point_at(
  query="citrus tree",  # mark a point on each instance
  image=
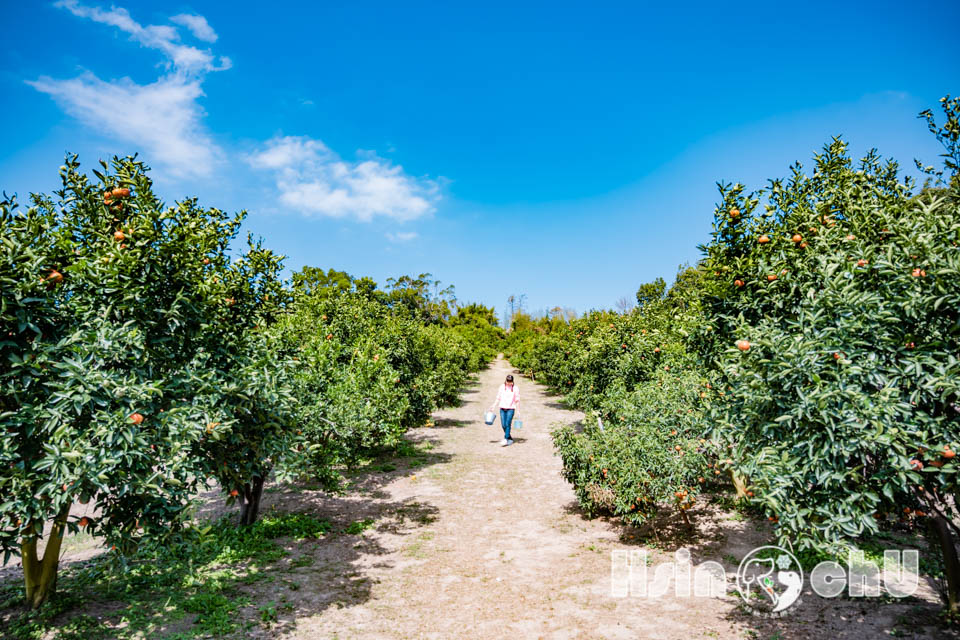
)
(642, 450)
(834, 301)
(254, 380)
(109, 299)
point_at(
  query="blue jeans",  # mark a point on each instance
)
(506, 419)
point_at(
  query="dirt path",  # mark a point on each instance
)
(497, 548)
(508, 555)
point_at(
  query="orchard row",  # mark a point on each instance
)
(811, 357)
(141, 360)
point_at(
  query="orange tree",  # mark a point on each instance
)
(642, 448)
(365, 372)
(109, 302)
(253, 380)
(834, 302)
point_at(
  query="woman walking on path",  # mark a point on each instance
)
(508, 399)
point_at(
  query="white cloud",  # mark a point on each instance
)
(198, 26)
(314, 180)
(184, 58)
(402, 236)
(162, 119)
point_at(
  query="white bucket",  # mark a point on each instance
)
(489, 417)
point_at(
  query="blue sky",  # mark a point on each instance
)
(568, 151)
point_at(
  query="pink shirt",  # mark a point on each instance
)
(508, 398)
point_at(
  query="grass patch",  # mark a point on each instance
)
(358, 527)
(197, 577)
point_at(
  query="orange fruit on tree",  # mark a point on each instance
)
(734, 213)
(234, 493)
(771, 277)
(948, 453)
(119, 235)
(206, 261)
(862, 263)
(937, 463)
(743, 345)
(54, 278)
(84, 521)
(120, 192)
(916, 464)
(763, 239)
(797, 238)
(136, 418)
(738, 283)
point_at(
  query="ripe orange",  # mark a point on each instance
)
(797, 238)
(678, 448)
(118, 235)
(836, 356)
(803, 245)
(771, 277)
(949, 453)
(763, 239)
(211, 426)
(674, 432)
(206, 261)
(234, 493)
(136, 418)
(229, 301)
(918, 273)
(916, 464)
(738, 283)
(84, 521)
(734, 213)
(862, 263)
(54, 278)
(749, 494)
(743, 345)
(851, 237)
(656, 349)
(120, 192)
(329, 336)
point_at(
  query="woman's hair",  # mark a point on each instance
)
(510, 377)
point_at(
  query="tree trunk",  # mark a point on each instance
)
(40, 574)
(940, 533)
(250, 504)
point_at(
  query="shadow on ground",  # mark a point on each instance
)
(264, 594)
